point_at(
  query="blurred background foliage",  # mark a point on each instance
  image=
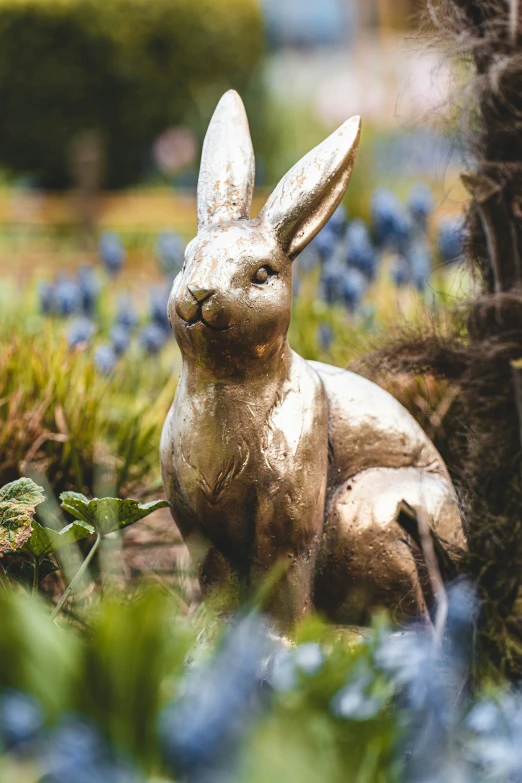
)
(124, 69)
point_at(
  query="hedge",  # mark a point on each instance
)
(127, 68)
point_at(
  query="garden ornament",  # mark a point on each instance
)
(268, 458)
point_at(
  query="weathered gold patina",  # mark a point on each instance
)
(266, 456)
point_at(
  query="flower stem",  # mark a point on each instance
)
(4, 580)
(76, 577)
(36, 574)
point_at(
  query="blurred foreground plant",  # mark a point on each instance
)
(146, 693)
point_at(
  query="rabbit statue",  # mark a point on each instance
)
(268, 458)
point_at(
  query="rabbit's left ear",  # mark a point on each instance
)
(226, 175)
(312, 190)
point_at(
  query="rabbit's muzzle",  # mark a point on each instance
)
(197, 304)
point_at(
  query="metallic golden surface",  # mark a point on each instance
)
(268, 457)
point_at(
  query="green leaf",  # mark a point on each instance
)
(44, 540)
(18, 501)
(108, 514)
(22, 571)
(76, 504)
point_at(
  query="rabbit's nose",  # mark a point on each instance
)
(200, 294)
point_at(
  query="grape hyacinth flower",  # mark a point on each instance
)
(326, 241)
(332, 280)
(89, 289)
(120, 338)
(309, 658)
(354, 288)
(494, 728)
(360, 253)
(111, 252)
(67, 299)
(159, 297)
(400, 271)
(126, 314)
(152, 338)
(324, 244)
(80, 332)
(21, 721)
(170, 250)
(356, 701)
(419, 262)
(450, 241)
(421, 204)
(78, 753)
(105, 359)
(285, 665)
(337, 223)
(429, 677)
(390, 220)
(202, 731)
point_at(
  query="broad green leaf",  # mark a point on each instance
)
(44, 540)
(108, 514)
(22, 571)
(17, 504)
(76, 504)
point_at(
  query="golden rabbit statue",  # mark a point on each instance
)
(266, 456)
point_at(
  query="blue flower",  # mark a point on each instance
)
(360, 253)
(159, 298)
(120, 338)
(67, 298)
(328, 238)
(152, 338)
(170, 250)
(337, 223)
(400, 271)
(111, 252)
(356, 701)
(419, 262)
(78, 753)
(354, 288)
(89, 289)
(390, 221)
(332, 280)
(309, 657)
(105, 359)
(324, 244)
(450, 241)
(126, 314)
(282, 672)
(201, 732)
(21, 720)
(421, 203)
(80, 332)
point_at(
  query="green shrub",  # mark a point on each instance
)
(125, 68)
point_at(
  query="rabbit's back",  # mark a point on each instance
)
(369, 428)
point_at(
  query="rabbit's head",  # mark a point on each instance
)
(231, 303)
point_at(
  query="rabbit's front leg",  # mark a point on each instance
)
(291, 498)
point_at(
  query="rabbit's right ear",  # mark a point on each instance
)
(226, 175)
(312, 190)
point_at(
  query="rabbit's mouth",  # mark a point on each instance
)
(201, 321)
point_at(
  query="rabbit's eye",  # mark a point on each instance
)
(262, 274)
